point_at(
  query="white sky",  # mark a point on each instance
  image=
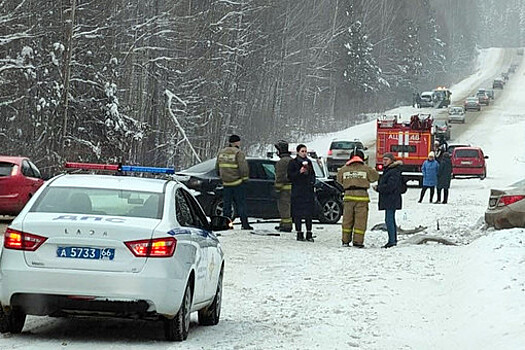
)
(284, 294)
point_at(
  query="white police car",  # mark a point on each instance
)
(117, 246)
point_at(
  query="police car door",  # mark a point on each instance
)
(189, 223)
(211, 245)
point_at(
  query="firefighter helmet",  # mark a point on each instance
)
(357, 152)
(282, 147)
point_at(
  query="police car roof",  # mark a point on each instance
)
(109, 181)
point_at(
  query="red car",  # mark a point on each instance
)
(469, 162)
(19, 180)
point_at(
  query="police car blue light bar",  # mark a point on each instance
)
(123, 168)
(147, 169)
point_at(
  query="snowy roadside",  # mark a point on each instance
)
(284, 294)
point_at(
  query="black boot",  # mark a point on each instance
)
(300, 236)
(245, 225)
(309, 236)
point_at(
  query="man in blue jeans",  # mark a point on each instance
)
(389, 188)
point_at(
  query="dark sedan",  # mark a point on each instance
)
(261, 198)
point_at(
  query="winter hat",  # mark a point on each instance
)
(389, 156)
(234, 138)
(431, 154)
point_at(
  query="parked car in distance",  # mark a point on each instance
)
(339, 154)
(472, 103)
(489, 92)
(427, 99)
(114, 246)
(261, 198)
(451, 146)
(456, 114)
(506, 207)
(442, 129)
(505, 76)
(483, 98)
(19, 180)
(498, 84)
(468, 162)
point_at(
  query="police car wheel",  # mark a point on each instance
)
(331, 211)
(177, 328)
(12, 321)
(209, 316)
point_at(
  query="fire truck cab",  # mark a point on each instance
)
(409, 141)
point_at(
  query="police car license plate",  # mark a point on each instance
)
(86, 253)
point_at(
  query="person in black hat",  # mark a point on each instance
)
(234, 172)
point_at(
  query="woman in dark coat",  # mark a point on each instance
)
(301, 174)
(389, 188)
(444, 177)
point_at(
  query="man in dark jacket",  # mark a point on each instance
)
(390, 195)
(234, 171)
(301, 174)
(283, 186)
(444, 177)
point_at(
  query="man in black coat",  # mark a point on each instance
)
(444, 177)
(389, 188)
(301, 174)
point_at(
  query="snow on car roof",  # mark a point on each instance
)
(110, 181)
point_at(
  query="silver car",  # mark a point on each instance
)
(117, 246)
(506, 207)
(339, 154)
(456, 114)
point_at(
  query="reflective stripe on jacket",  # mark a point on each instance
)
(282, 182)
(355, 179)
(232, 166)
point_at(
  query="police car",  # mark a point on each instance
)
(118, 246)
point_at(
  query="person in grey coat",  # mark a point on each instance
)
(444, 177)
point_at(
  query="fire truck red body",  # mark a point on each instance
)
(410, 142)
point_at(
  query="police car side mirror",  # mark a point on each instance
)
(221, 223)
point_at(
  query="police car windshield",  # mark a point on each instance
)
(96, 201)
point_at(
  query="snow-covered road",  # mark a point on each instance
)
(284, 294)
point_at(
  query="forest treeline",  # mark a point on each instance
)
(164, 82)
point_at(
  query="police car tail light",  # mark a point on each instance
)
(153, 248)
(19, 240)
(506, 200)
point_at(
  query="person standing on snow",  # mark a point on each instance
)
(430, 170)
(444, 177)
(283, 186)
(234, 172)
(355, 178)
(389, 188)
(301, 174)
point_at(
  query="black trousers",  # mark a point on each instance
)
(423, 190)
(445, 194)
(298, 223)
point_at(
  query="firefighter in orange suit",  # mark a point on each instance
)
(283, 186)
(355, 177)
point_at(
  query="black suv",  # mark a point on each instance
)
(261, 198)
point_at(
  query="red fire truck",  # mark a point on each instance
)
(409, 141)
